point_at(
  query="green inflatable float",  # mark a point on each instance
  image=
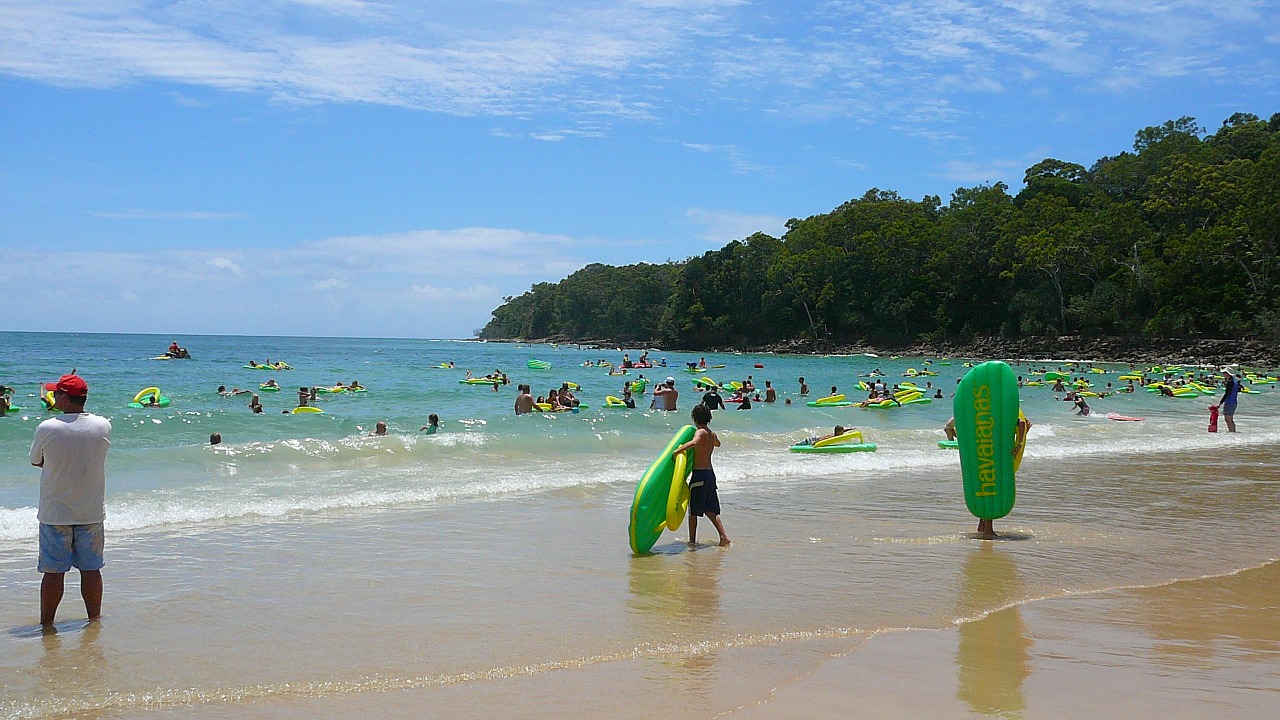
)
(662, 496)
(987, 430)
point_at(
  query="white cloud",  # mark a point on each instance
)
(339, 7)
(332, 283)
(634, 61)
(735, 157)
(187, 101)
(985, 171)
(224, 263)
(473, 293)
(1009, 172)
(481, 57)
(466, 252)
(429, 283)
(722, 226)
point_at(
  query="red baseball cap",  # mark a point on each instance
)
(73, 385)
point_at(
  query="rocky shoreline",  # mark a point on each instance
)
(1137, 350)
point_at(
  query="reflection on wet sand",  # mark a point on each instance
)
(676, 585)
(675, 599)
(993, 658)
(71, 673)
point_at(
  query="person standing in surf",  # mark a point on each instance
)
(666, 395)
(71, 452)
(524, 401)
(986, 528)
(1230, 393)
(703, 499)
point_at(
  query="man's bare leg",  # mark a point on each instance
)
(50, 595)
(693, 529)
(986, 530)
(91, 591)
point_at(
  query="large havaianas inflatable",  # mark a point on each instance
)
(986, 412)
(660, 502)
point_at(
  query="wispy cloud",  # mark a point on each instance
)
(332, 283)
(628, 61)
(340, 7)
(482, 57)
(187, 101)
(474, 293)
(734, 156)
(986, 171)
(424, 283)
(722, 226)
(994, 170)
(227, 264)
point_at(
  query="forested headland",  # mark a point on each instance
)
(1176, 239)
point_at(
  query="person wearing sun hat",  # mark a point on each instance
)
(1230, 393)
(71, 452)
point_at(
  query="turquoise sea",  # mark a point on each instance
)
(303, 558)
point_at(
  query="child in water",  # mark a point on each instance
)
(703, 499)
(433, 424)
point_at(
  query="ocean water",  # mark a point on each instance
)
(303, 558)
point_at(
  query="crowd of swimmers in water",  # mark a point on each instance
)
(665, 395)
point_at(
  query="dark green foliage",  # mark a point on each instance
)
(596, 302)
(1178, 238)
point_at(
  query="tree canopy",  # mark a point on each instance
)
(1177, 238)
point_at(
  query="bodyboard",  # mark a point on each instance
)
(986, 412)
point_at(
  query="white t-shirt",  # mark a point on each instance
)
(73, 479)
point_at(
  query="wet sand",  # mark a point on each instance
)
(1192, 649)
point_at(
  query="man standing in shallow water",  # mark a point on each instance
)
(666, 394)
(71, 452)
(524, 401)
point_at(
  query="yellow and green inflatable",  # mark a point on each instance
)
(662, 496)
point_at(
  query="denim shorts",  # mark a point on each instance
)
(65, 546)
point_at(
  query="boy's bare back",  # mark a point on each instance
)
(704, 442)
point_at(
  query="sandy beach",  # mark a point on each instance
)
(1194, 649)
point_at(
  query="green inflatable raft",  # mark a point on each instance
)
(657, 504)
(986, 412)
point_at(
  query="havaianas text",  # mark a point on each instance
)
(984, 426)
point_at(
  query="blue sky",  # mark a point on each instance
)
(394, 168)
